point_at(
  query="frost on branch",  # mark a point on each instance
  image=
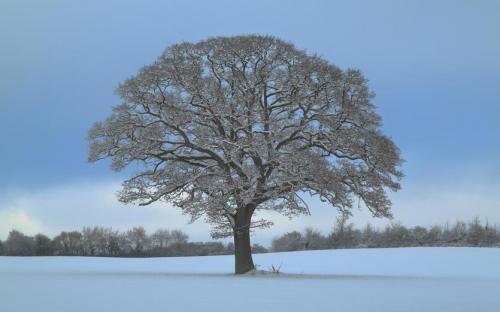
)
(227, 126)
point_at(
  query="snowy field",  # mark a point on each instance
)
(403, 279)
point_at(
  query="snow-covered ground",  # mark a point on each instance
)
(403, 279)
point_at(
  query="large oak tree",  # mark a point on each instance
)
(231, 125)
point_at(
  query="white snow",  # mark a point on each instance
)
(402, 279)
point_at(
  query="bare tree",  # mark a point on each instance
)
(314, 240)
(476, 232)
(18, 244)
(288, 242)
(161, 238)
(90, 240)
(178, 237)
(344, 235)
(69, 244)
(369, 236)
(43, 245)
(231, 125)
(137, 240)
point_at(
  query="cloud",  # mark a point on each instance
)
(19, 220)
(437, 203)
(71, 207)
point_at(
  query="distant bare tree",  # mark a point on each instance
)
(113, 240)
(228, 126)
(476, 232)
(178, 237)
(161, 238)
(18, 244)
(257, 248)
(68, 244)
(369, 236)
(106, 241)
(137, 239)
(491, 235)
(314, 240)
(288, 242)
(90, 241)
(43, 245)
(344, 235)
(434, 235)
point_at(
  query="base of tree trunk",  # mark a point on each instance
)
(243, 262)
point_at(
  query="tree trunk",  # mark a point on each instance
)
(243, 261)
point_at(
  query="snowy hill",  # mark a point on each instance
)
(402, 279)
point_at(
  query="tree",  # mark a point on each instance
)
(257, 248)
(69, 244)
(289, 242)
(396, 235)
(314, 240)
(161, 239)
(369, 237)
(476, 232)
(112, 240)
(228, 126)
(178, 237)
(43, 245)
(164, 241)
(434, 235)
(137, 240)
(18, 244)
(490, 236)
(457, 234)
(90, 241)
(344, 235)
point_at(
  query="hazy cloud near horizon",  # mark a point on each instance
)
(72, 207)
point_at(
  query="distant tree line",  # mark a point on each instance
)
(344, 235)
(107, 242)
(136, 242)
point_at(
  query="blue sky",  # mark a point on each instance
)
(434, 66)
